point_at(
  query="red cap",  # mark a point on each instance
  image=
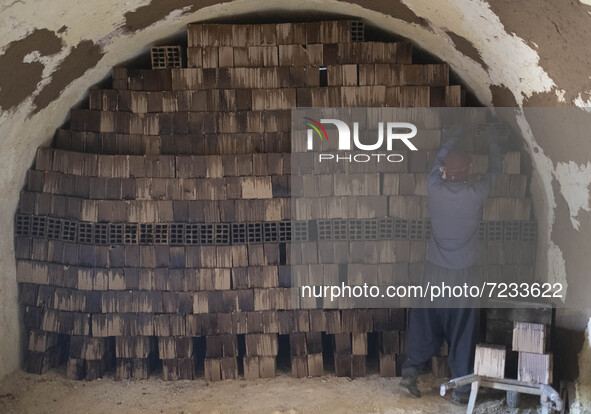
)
(457, 165)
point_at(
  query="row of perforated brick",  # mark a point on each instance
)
(268, 241)
(179, 234)
(398, 228)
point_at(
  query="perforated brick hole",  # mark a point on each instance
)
(300, 231)
(206, 234)
(511, 230)
(158, 58)
(131, 233)
(23, 225)
(255, 232)
(355, 229)
(529, 231)
(38, 226)
(146, 233)
(85, 233)
(401, 229)
(357, 31)
(167, 57)
(284, 231)
(339, 229)
(54, 228)
(270, 232)
(69, 230)
(324, 229)
(161, 233)
(416, 230)
(192, 234)
(222, 233)
(482, 231)
(494, 231)
(177, 234)
(116, 233)
(370, 229)
(239, 233)
(386, 228)
(100, 233)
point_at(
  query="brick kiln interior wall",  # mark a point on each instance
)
(159, 226)
(50, 60)
(159, 222)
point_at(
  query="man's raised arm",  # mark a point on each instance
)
(450, 137)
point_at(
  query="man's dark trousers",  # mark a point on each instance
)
(428, 327)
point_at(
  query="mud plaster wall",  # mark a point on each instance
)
(509, 53)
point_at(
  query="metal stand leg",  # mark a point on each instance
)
(513, 399)
(549, 398)
(473, 394)
(545, 403)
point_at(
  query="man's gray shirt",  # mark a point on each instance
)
(455, 209)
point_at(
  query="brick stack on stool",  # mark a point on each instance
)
(535, 366)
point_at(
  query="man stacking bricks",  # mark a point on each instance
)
(455, 208)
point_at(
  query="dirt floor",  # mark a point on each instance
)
(53, 393)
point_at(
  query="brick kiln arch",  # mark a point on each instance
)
(157, 226)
